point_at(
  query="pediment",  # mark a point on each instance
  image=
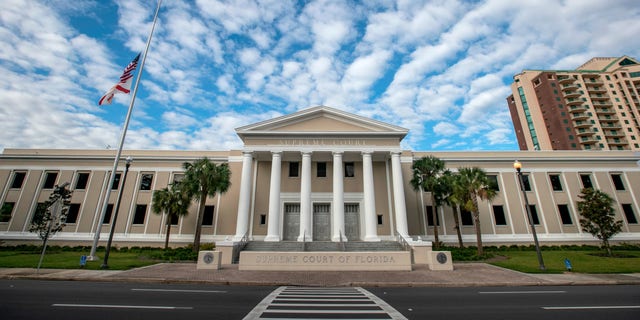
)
(318, 121)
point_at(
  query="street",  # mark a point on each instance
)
(28, 299)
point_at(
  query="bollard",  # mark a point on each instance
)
(567, 264)
(83, 261)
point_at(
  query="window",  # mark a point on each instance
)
(555, 182)
(6, 211)
(174, 220)
(466, 217)
(141, 211)
(565, 216)
(628, 213)
(586, 181)
(525, 182)
(617, 182)
(18, 179)
(178, 177)
(263, 219)
(294, 168)
(116, 182)
(430, 216)
(209, 211)
(107, 215)
(50, 180)
(321, 169)
(145, 181)
(379, 219)
(534, 214)
(493, 182)
(82, 180)
(72, 214)
(498, 215)
(349, 169)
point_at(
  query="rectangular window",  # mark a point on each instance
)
(145, 181)
(72, 214)
(18, 179)
(178, 177)
(617, 182)
(349, 169)
(209, 211)
(50, 180)
(629, 214)
(534, 214)
(81, 180)
(430, 216)
(498, 215)
(263, 219)
(379, 219)
(174, 220)
(116, 182)
(565, 216)
(466, 217)
(294, 168)
(107, 215)
(321, 169)
(555, 182)
(525, 182)
(141, 211)
(493, 182)
(586, 181)
(6, 210)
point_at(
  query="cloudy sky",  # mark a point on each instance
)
(441, 69)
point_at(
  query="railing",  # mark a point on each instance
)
(240, 246)
(405, 245)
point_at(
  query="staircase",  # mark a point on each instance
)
(315, 246)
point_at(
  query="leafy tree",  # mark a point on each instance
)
(172, 201)
(599, 216)
(455, 197)
(204, 178)
(475, 184)
(50, 217)
(428, 177)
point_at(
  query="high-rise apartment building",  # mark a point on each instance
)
(595, 107)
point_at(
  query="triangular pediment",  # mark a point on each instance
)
(319, 121)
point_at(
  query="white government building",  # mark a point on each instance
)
(319, 174)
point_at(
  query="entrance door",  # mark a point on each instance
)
(352, 221)
(291, 221)
(321, 222)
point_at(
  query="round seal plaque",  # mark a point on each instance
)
(441, 257)
(208, 258)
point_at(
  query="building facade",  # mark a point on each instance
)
(595, 107)
(319, 174)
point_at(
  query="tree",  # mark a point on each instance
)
(599, 216)
(454, 198)
(172, 201)
(204, 178)
(475, 184)
(50, 216)
(427, 176)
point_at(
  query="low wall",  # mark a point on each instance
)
(325, 261)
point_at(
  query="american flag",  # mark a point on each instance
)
(124, 85)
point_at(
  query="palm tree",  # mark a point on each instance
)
(427, 176)
(172, 201)
(204, 178)
(476, 185)
(454, 198)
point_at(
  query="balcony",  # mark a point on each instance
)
(571, 94)
(570, 86)
(610, 133)
(605, 111)
(566, 79)
(597, 89)
(573, 101)
(582, 124)
(579, 116)
(608, 119)
(613, 126)
(584, 133)
(617, 142)
(604, 103)
(581, 108)
(589, 140)
(599, 97)
(591, 82)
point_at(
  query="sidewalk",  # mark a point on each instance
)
(463, 275)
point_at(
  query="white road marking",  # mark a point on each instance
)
(591, 307)
(179, 290)
(115, 306)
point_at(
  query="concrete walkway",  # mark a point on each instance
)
(463, 275)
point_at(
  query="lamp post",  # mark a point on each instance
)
(105, 264)
(518, 166)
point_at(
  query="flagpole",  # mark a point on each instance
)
(92, 256)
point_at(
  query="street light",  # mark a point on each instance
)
(518, 166)
(105, 264)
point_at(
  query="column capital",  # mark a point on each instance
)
(276, 153)
(396, 153)
(247, 153)
(367, 153)
(336, 153)
(306, 153)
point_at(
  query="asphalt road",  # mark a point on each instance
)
(27, 299)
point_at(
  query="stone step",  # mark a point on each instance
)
(323, 246)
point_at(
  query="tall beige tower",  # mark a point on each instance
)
(595, 107)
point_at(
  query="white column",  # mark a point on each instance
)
(398, 195)
(242, 222)
(305, 198)
(273, 232)
(370, 216)
(338, 199)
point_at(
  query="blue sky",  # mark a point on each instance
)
(441, 69)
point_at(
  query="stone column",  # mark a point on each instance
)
(338, 199)
(244, 200)
(398, 195)
(273, 231)
(370, 216)
(305, 198)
